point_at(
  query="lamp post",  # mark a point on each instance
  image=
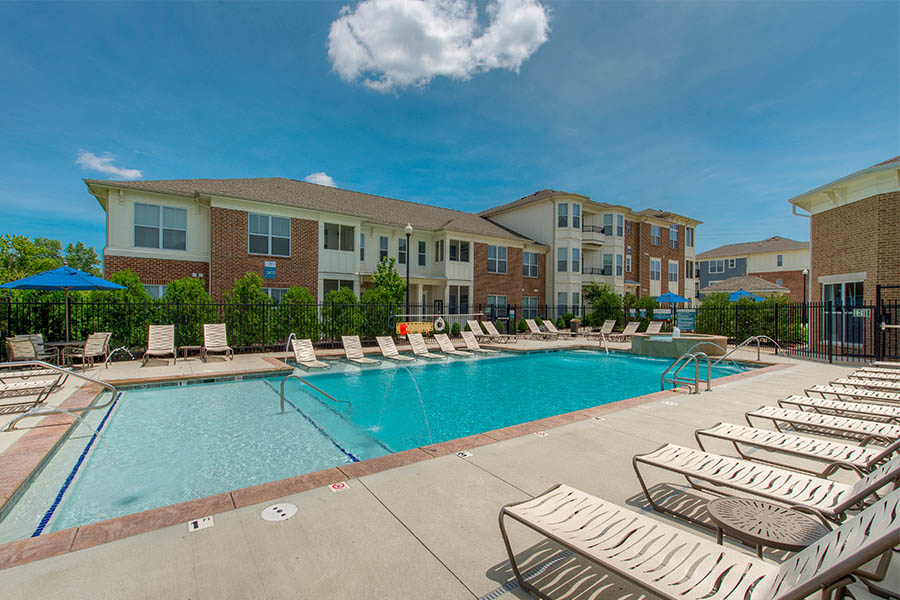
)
(409, 230)
(805, 272)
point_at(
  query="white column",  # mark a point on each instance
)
(419, 289)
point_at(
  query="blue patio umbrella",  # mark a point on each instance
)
(735, 296)
(671, 298)
(62, 278)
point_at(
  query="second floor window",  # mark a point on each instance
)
(576, 260)
(401, 251)
(439, 251)
(337, 237)
(270, 235)
(689, 236)
(627, 227)
(673, 236)
(780, 260)
(362, 247)
(562, 215)
(529, 264)
(562, 259)
(628, 264)
(382, 248)
(421, 254)
(607, 264)
(688, 269)
(673, 272)
(654, 269)
(459, 251)
(160, 227)
(655, 235)
(607, 224)
(620, 225)
(576, 216)
(716, 266)
(618, 265)
(496, 261)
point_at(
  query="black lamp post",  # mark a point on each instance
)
(805, 273)
(409, 231)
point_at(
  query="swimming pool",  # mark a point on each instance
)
(163, 445)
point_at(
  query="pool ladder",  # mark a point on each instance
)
(305, 382)
(752, 338)
(681, 362)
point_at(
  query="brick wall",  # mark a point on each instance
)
(662, 252)
(889, 244)
(793, 280)
(156, 271)
(634, 240)
(511, 284)
(231, 259)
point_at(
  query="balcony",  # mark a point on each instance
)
(594, 235)
(596, 274)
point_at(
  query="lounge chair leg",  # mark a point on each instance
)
(515, 567)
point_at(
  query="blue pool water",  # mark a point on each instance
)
(169, 444)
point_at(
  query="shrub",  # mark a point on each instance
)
(340, 314)
(454, 330)
(380, 306)
(604, 302)
(647, 303)
(188, 306)
(127, 314)
(245, 311)
(537, 320)
(521, 326)
(298, 314)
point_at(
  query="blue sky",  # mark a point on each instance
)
(718, 110)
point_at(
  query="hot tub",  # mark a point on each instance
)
(663, 344)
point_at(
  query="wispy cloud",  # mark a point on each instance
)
(389, 44)
(320, 178)
(104, 164)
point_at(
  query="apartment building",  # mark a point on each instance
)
(777, 260)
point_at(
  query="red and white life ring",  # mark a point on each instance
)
(439, 324)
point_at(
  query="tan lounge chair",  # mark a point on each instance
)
(870, 384)
(96, 346)
(25, 347)
(798, 420)
(353, 351)
(551, 328)
(215, 341)
(475, 329)
(886, 374)
(447, 346)
(535, 331)
(473, 345)
(389, 350)
(496, 336)
(420, 349)
(654, 327)
(674, 564)
(857, 410)
(626, 333)
(841, 392)
(7, 376)
(886, 364)
(605, 330)
(305, 354)
(41, 389)
(160, 343)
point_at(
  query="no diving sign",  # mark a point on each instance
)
(340, 486)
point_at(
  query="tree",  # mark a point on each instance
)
(379, 305)
(606, 304)
(246, 311)
(21, 257)
(83, 258)
(387, 279)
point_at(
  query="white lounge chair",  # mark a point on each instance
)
(96, 346)
(626, 333)
(869, 384)
(475, 328)
(551, 328)
(353, 351)
(859, 429)
(420, 349)
(535, 331)
(675, 564)
(215, 341)
(886, 364)
(857, 410)
(40, 389)
(389, 350)
(605, 330)
(654, 327)
(160, 343)
(473, 345)
(841, 392)
(886, 374)
(305, 355)
(447, 346)
(496, 336)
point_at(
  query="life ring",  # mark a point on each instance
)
(404, 329)
(439, 324)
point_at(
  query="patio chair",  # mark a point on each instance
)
(886, 374)
(605, 330)
(835, 454)
(674, 564)
(551, 328)
(215, 341)
(41, 352)
(496, 336)
(841, 392)
(857, 410)
(353, 351)
(535, 331)
(420, 349)
(389, 350)
(305, 354)
(476, 329)
(725, 475)
(42, 389)
(447, 346)
(160, 343)
(871, 384)
(654, 327)
(96, 345)
(847, 427)
(886, 364)
(7, 375)
(473, 345)
(630, 329)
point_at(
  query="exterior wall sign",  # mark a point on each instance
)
(269, 269)
(686, 320)
(662, 314)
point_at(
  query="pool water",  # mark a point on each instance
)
(163, 445)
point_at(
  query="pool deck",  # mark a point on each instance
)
(419, 524)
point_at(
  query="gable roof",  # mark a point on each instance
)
(311, 196)
(535, 197)
(748, 283)
(803, 200)
(772, 244)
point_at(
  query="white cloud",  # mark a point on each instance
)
(390, 44)
(104, 164)
(320, 178)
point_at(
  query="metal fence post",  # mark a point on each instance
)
(776, 336)
(829, 326)
(177, 323)
(876, 322)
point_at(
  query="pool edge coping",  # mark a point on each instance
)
(48, 545)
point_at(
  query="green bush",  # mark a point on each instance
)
(126, 314)
(605, 303)
(246, 311)
(380, 306)
(190, 306)
(341, 314)
(297, 313)
(454, 330)
(521, 326)
(647, 303)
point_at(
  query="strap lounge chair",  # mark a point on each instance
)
(353, 351)
(847, 427)
(389, 350)
(475, 328)
(420, 349)
(215, 341)
(734, 476)
(654, 327)
(160, 343)
(870, 384)
(857, 410)
(551, 328)
(675, 564)
(885, 374)
(841, 392)
(886, 364)
(305, 354)
(605, 330)
(447, 346)
(8, 376)
(630, 329)
(96, 346)
(46, 353)
(835, 454)
(472, 344)
(496, 336)
(535, 331)
(41, 389)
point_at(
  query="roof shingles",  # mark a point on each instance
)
(772, 244)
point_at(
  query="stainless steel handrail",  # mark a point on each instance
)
(54, 410)
(752, 338)
(302, 380)
(683, 361)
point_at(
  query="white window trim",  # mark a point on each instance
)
(387, 247)
(528, 266)
(658, 263)
(269, 236)
(673, 264)
(160, 207)
(422, 253)
(709, 266)
(498, 260)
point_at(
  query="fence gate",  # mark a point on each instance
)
(887, 323)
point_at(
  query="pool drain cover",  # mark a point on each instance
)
(279, 512)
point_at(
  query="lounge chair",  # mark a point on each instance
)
(630, 329)
(857, 410)
(96, 345)
(886, 364)
(16, 389)
(841, 392)
(496, 336)
(870, 384)
(535, 331)
(30, 347)
(551, 328)
(654, 327)
(472, 344)
(8, 375)
(858, 429)
(389, 350)
(605, 330)
(886, 374)
(160, 343)
(728, 475)
(215, 341)
(674, 564)
(835, 454)
(447, 346)
(305, 354)
(420, 349)
(353, 351)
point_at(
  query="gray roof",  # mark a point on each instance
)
(290, 192)
(748, 283)
(772, 244)
(539, 195)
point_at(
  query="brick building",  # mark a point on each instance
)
(777, 260)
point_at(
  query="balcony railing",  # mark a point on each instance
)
(597, 229)
(596, 271)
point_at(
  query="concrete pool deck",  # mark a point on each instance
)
(425, 529)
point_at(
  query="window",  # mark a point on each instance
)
(337, 237)
(382, 248)
(731, 263)
(529, 307)
(607, 264)
(401, 251)
(422, 256)
(576, 260)
(779, 260)
(459, 251)
(620, 225)
(628, 264)
(576, 216)
(689, 236)
(673, 272)
(619, 265)
(654, 269)
(576, 303)
(362, 247)
(160, 227)
(275, 294)
(529, 264)
(716, 266)
(627, 227)
(272, 235)
(779, 282)
(332, 285)
(607, 224)
(673, 236)
(439, 251)
(655, 235)
(688, 269)
(496, 259)
(495, 302)
(562, 215)
(562, 299)
(156, 291)
(562, 259)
